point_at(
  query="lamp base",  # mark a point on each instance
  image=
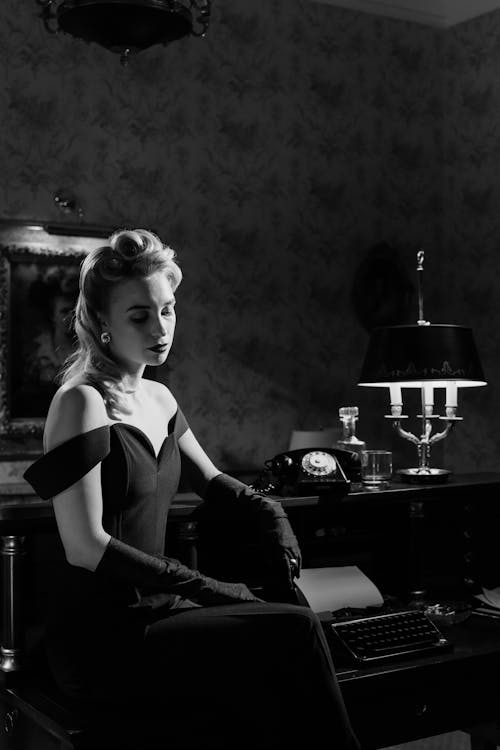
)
(418, 475)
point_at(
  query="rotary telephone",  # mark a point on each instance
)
(308, 471)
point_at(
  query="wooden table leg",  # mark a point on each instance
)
(12, 554)
(418, 591)
(187, 536)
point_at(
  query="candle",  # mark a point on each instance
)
(451, 394)
(396, 397)
(427, 399)
(428, 394)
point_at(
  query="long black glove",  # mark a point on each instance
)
(125, 563)
(272, 522)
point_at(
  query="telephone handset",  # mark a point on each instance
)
(307, 471)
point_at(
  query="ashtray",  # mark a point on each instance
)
(448, 613)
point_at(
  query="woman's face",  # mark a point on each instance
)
(141, 321)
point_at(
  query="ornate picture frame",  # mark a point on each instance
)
(38, 290)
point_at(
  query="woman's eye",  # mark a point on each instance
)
(168, 311)
(139, 320)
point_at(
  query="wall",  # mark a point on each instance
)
(273, 154)
(471, 268)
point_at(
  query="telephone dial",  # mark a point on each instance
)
(308, 471)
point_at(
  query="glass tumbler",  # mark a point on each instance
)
(376, 469)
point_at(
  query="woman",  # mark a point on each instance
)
(128, 623)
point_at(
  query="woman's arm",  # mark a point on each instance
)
(78, 510)
(221, 490)
(200, 469)
(74, 415)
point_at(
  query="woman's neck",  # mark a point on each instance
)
(131, 387)
(132, 381)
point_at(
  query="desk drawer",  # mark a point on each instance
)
(20, 732)
(419, 710)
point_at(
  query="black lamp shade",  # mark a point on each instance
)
(416, 354)
(125, 24)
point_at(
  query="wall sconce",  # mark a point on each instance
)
(427, 357)
(67, 204)
(127, 26)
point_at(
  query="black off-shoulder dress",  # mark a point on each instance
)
(262, 671)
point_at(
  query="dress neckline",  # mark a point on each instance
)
(147, 439)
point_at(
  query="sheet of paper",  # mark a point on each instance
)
(328, 589)
(490, 597)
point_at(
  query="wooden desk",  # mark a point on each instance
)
(419, 530)
(414, 698)
(396, 703)
(23, 513)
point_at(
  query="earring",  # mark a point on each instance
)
(105, 337)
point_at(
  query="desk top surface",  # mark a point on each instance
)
(18, 501)
(475, 641)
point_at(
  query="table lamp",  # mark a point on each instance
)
(427, 357)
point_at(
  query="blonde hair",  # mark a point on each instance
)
(129, 254)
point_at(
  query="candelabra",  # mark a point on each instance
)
(425, 357)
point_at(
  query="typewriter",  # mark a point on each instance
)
(378, 638)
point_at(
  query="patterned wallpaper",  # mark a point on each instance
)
(274, 154)
(471, 278)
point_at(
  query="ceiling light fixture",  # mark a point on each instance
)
(127, 26)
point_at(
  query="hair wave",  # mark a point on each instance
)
(129, 254)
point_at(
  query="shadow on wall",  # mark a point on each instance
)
(382, 293)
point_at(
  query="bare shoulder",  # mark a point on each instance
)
(162, 396)
(75, 409)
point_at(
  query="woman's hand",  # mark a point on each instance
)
(281, 551)
(278, 536)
